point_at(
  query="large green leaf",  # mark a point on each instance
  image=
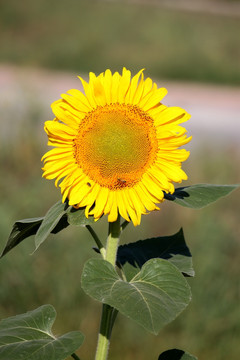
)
(172, 248)
(50, 221)
(153, 298)
(176, 354)
(29, 337)
(198, 196)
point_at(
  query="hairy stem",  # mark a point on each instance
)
(108, 312)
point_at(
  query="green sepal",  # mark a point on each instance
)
(29, 336)
(176, 354)
(200, 195)
(172, 248)
(153, 298)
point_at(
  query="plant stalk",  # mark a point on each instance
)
(108, 312)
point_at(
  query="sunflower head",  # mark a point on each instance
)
(116, 147)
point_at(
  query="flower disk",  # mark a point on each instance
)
(116, 147)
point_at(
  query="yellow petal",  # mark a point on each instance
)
(149, 205)
(107, 84)
(88, 92)
(76, 100)
(99, 92)
(115, 87)
(101, 201)
(154, 100)
(65, 116)
(113, 214)
(170, 115)
(139, 91)
(124, 84)
(132, 88)
(122, 205)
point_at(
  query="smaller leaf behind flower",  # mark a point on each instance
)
(200, 195)
(172, 248)
(22, 229)
(29, 336)
(58, 217)
(77, 217)
(176, 354)
(50, 221)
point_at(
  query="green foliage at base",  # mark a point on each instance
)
(29, 337)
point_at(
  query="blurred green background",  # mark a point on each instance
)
(197, 45)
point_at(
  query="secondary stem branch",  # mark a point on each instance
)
(97, 241)
(74, 356)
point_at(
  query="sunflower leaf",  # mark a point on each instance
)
(172, 248)
(22, 229)
(50, 221)
(200, 195)
(176, 354)
(29, 336)
(77, 217)
(153, 298)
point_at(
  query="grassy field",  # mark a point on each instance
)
(85, 35)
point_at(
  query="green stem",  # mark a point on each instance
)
(97, 241)
(108, 312)
(112, 241)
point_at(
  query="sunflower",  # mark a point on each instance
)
(116, 148)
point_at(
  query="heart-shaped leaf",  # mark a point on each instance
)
(29, 337)
(153, 298)
(176, 354)
(50, 221)
(172, 248)
(200, 195)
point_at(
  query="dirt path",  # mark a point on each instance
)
(223, 8)
(27, 94)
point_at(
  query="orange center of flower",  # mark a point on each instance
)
(115, 145)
